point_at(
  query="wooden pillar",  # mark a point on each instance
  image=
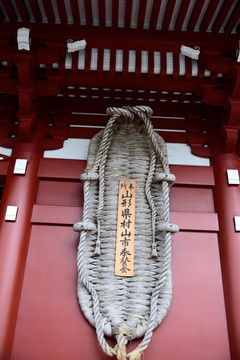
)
(19, 190)
(227, 202)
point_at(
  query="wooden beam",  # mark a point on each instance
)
(208, 15)
(195, 14)
(22, 10)
(131, 81)
(182, 14)
(49, 12)
(126, 39)
(155, 14)
(222, 15)
(141, 14)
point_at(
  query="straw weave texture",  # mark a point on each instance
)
(125, 307)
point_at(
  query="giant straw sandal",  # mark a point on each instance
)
(126, 307)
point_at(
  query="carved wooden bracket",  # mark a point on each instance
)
(24, 68)
(211, 95)
(230, 138)
(225, 95)
(26, 96)
(233, 111)
(58, 130)
(26, 125)
(235, 86)
(198, 138)
(27, 84)
(230, 128)
(216, 62)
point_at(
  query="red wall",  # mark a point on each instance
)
(50, 324)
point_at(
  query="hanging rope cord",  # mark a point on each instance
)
(143, 113)
(100, 164)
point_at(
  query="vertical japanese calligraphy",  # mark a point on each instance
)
(124, 256)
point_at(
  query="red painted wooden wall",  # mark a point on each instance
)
(50, 324)
(44, 90)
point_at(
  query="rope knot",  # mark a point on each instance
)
(89, 175)
(121, 351)
(168, 227)
(170, 178)
(120, 112)
(84, 225)
(145, 109)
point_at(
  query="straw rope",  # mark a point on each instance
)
(126, 308)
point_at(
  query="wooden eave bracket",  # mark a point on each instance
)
(197, 136)
(230, 126)
(40, 54)
(231, 121)
(25, 86)
(235, 75)
(216, 62)
(211, 95)
(230, 138)
(42, 87)
(233, 111)
(6, 141)
(200, 150)
(53, 143)
(27, 124)
(60, 132)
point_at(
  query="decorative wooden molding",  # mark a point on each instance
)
(197, 135)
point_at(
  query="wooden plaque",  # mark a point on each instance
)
(124, 256)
